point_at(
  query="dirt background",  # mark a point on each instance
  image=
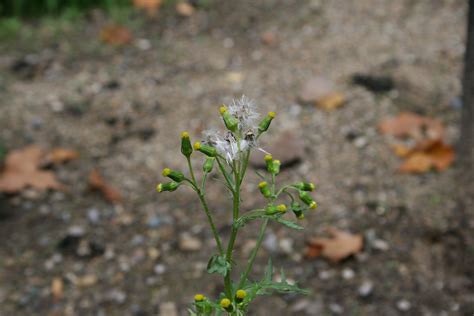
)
(124, 108)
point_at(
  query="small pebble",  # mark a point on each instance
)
(93, 216)
(189, 243)
(159, 269)
(336, 308)
(348, 274)
(270, 242)
(286, 245)
(403, 305)
(365, 288)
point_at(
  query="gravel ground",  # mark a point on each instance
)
(124, 108)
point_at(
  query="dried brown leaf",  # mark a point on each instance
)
(331, 101)
(97, 182)
(60, 155)
(57, 289)
(418, 127)
(22, 169)
(340, 246)
(438, 156)
(184, 9)
(116, 35)
(150, 6)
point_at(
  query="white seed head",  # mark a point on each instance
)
(243, 110)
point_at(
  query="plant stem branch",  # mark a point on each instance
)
(253, 255)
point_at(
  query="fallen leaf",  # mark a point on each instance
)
(22, 170)
(86, 281)
(401, 150)
(60, 155)
(331, 101)
(439, 156)
(150, 6)
(412, 125)
(57, 289)
(234, 77)
(428, 152)
(184, 9)
(116, 35)
(268, 38)
(340, 246)
(97, 182)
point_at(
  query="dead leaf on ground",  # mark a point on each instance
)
(339, 246)
(331, 101)
(61, 155)
(150, 6)
(57, 289)
(320, 91)
(97, 182)
(22, 170)
(412, 125)
(185, 9)
(268, 38)
(428, 150)
(439, 156)
(116, 35)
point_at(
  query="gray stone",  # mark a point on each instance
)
(288, 147)
(314, 89)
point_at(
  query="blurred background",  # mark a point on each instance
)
(368, 95)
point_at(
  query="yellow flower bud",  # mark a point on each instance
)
(226, 304)
(197, 145)
(199, 297)
(166, 172)
(240, 295)
(159, 187)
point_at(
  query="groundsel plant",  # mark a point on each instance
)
(230, 152)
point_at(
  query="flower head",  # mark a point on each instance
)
(243, 110)
(227, 146)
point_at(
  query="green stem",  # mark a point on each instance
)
(253, 255)
(261, 234)
(204, 205)
(211, 223)
(233, 234)
(226, 176)
(191, 171)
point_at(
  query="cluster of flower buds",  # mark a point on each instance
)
(264, 189)
(176, 176)
(273, 166)
(202, 304)
(239, 298)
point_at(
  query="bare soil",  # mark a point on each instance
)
(124, 108)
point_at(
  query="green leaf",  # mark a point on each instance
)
(269, 271)
(261, 214)
(250, 216)
(267, 286)
(289, 224)
(218, 264)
